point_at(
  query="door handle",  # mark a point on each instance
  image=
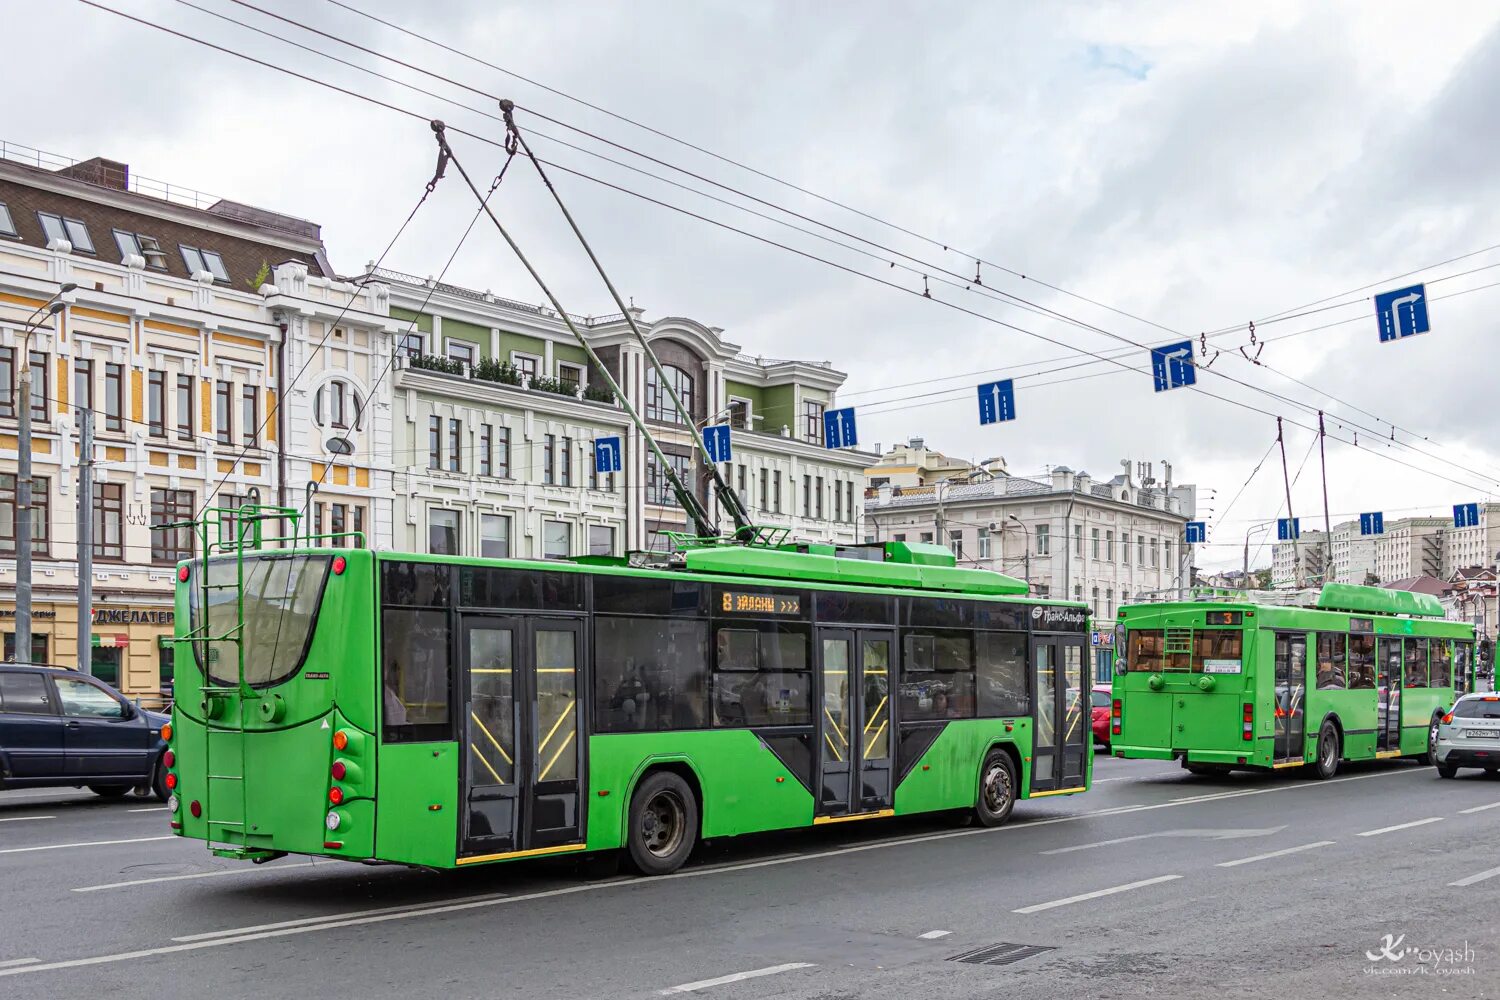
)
(73, 724)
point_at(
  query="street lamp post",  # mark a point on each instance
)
(45, 311)
(1026, 559)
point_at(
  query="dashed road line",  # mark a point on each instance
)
(22, 819)
(179, 878)
(934, 935)
(1274, 854)
(86, 843)
(1097, 893)
(12, 963)
(1476, 877)
(1401, 826)
(1478, 809)
(149, 809)
(703, 984)
(355, 916)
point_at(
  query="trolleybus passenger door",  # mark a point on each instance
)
(489, 775)
(1077, 731)
(1388, 695)
(854, 730)
(554, 741)
(1046, 766)
(1291, 688)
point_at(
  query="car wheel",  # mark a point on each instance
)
(1327, 764)
(159, 782)
(109, 791)
(1447, 770)
(663, 824)
(997, 789)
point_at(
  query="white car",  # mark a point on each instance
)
(1469, 735)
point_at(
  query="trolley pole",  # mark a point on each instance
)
(85, 541)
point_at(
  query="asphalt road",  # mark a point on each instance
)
(1156, 883)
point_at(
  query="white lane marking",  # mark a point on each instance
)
(179, 878)
(409, 908)
(149, 809)
(1402, 826)
(934, 935)
(13, 962)
(86, 843)
(1476, 877)
(1274, 854)
(736, 977)
(1081, 897)
(1204, 834)
(1480, 809)
(22, 819)
(686, 873)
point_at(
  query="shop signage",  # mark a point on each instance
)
(133, 616)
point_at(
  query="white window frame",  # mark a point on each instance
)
(515, 361)
(404, 343)
(509, 523)
(583, 372)
(549, 522)
(749, 411)
(467, 348)
(612, 536)
(458, 522)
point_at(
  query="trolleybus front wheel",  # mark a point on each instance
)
(1327, 764)
(663, 824)
(997, 789)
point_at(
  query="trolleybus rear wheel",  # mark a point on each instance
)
(997, 789)
(663, 824)
(1327, 763)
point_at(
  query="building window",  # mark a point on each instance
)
(984, 542)
(571, 376)
(549, 460)
(818, 497)
(413, 345)
(359, 526)
(494, 536)
(502, 452)
(109, 521)
(41, 385)
(1109, 602)
(659, 403)
(171, 507)
(185, 407)
(7, 224)
(114, 397)
(658, 486)
(1140, 550)
(741, 477)
(442, 532)
(926, 538)
(601, 540)
(565, 463)
(527, 364)
(83, 385)
(1094, 542)
(1155, 560)
(39, 657)
(156, 402)
(1078, 540)
(807, 506)
(555, 540)
(776, 490)
(1125, 548)
(145, 247)
(462, 351)
(486, 446)
(1109, 545)
(812, 417)
(57, 227)
(250, 414)
(337, 405)
(1044, 539)
(765, 489)
(41, 514)
(838, 501)
(956, 539)
(1094, 602)
(196, 260)
(1166, 552)
(849, 501)
(898, 537)
(455, 445)
(7, 382)
(434, 442)
(739, 414)
(223, 413)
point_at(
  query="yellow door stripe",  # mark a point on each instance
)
(871, 742)
(875, 715)
(820, 820)
(836, 755)
(568, 708)
(535, 852)
(488, 766)
(565, 744)
(1056, 791)
(836, 728)
(492, 739)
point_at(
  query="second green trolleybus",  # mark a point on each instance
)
(445, 711)
(1358, 673)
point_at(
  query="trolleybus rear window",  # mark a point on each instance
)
(1209, 650)
(281, 599)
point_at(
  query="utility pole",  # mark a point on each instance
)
(85, 541)
(1327, 524)
(1290, 517)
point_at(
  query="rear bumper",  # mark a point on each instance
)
(1468, 756)
(1239, 758)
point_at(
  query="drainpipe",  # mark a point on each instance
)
(281, 420)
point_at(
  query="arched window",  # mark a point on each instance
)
(338, 405)
(659, 403)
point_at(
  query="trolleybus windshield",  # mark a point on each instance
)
(281, 598)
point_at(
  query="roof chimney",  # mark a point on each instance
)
(105, 173)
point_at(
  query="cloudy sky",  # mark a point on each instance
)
(1195, 166)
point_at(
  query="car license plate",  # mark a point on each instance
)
(1482, 734)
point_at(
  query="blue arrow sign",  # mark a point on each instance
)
(716, 443)
(997, 402)
(1288, 529)
(1402, 313)
(1172, 366)
(1197, 532)
(1372, 524)
(607, 454)
(838, 428)
(1465, 515)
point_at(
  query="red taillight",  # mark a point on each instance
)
(169, 758)
(196, 808)
(1447, 718)
(183, 573)
(171, 781)
(333, 845)
(1248, 733)
(339, 565)
(335, 795)
(1115, 710)
(339, 770)
(340, 740)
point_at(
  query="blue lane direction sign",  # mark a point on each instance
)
(997, 402)
(716, 443)
(607, 454)
(1402, 312)
(838, 428)
(1466, 515)
(1172, 366)
(1372, 524)
(1196, 532)
(1288, 529)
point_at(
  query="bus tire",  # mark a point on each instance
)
(663, 824)
(1327, 763)
(997, 789)
(1430, 756)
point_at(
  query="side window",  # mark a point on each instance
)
(939, 679)
(1001, 681)
(1331, 661)
(1362, 661)
(761, 676)
(24, 694)
(416, 675)
(1442, 663)
(1416, 663)
(80, 699)
(650, 674)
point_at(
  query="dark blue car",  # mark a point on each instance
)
(60, 728)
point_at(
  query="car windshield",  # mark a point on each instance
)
(1477, 708)
(1100, 699)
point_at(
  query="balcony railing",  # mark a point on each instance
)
(504, 373)
(33, 157)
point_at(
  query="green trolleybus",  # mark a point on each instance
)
(442, 711)
(1360, 673)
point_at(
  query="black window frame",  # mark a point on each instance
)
(7, 221)
(156, 403)
(224, 412)
(114, 397)
(109, 499)
(66, 224)
(41, 515)
(186, 390)
(169, 506)
(250, 415)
